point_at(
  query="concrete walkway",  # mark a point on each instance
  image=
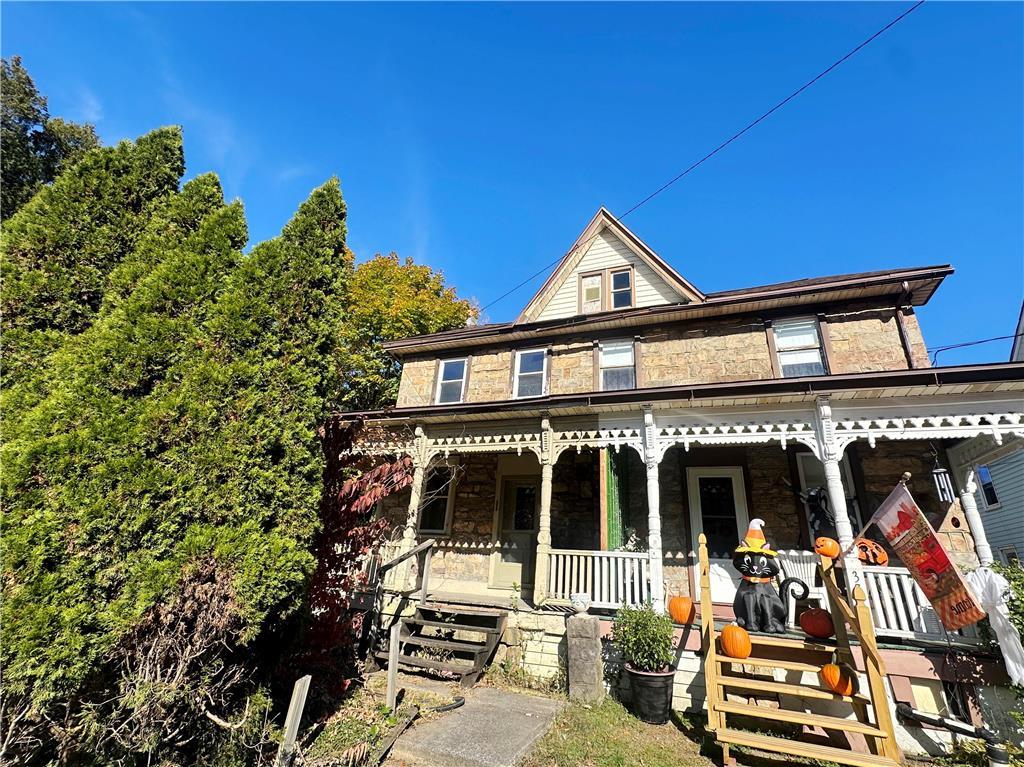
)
(494, 728)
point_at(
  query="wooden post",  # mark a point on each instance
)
(708, 635)
(425, 574)
(543, 552)
(875, 669)
(393, 652)
(286, 752)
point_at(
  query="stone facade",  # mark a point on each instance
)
(870, 341)
(861, 341)
(708, 352)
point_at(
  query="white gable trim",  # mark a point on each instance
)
(602, 221)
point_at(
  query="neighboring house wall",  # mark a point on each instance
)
(1004, 523)
(608, 252)
(718, 351)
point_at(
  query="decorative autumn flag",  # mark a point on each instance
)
(912, 537)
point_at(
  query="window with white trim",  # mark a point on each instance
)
(591, 290)
(438, 495)
(798, 346)
(531, 373)
(451, 381)
(622, 289)
(1009, 555)
(987, 487)
(618, 370)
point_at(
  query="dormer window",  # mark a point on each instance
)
(451, 381)
(606, 290)
(798, 347)
(622, 289)
(591, 293)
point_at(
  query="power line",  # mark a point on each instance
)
(935, 353)
(728, 141)
(778, 106)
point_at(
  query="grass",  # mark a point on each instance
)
(609, 736)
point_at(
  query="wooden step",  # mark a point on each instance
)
(799, 717)
(454, 645)
(783, 688)
(431, 663)
(798, 748)
(785, 665)
(484, 612)
(450, 626)
(774, 640)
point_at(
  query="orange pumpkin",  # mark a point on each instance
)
(681, 610)
(871, 553)
(817, 623)
(839, 678)
(736, 642)
(827, 547)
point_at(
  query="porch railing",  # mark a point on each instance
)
(900, 608)
(611, 578)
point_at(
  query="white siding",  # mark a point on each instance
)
(608, 252)
(1004, 525)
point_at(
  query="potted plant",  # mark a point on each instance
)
(644, 638)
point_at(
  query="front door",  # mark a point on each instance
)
(517, 532)
(718, 508)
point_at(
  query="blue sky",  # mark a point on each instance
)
(480, 139)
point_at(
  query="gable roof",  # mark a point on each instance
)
(604, 220)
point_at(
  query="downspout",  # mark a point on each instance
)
(994, 749)
(904, 300)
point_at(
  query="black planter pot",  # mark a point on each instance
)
(652, 694)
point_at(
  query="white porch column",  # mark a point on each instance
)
(419, 474)
(653, 513)
(543, 554)
(977, 527)
(830, 453)
(540, 572)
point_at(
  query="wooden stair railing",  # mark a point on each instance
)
(371, 602)
(722, 672)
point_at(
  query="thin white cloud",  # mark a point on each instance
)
(89, 108)
(292, 172)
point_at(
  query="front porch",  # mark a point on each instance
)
(611, 506)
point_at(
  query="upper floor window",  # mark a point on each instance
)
(988, 488)
(605, 290)
(798, 346)
(591, 293)
(530, 373)
(438, 494)
(451, 381)
(622, 289)
(617, 367)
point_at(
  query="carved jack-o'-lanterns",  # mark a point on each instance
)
(839, 678)
(827, 547)
(681, 610)
(871, 553)
(817, 623)
(736, 642)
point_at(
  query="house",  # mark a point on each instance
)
(996, 471)
(584, 446)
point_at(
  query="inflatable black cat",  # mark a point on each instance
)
(758, 606)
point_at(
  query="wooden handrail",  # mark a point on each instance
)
(410, 553)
